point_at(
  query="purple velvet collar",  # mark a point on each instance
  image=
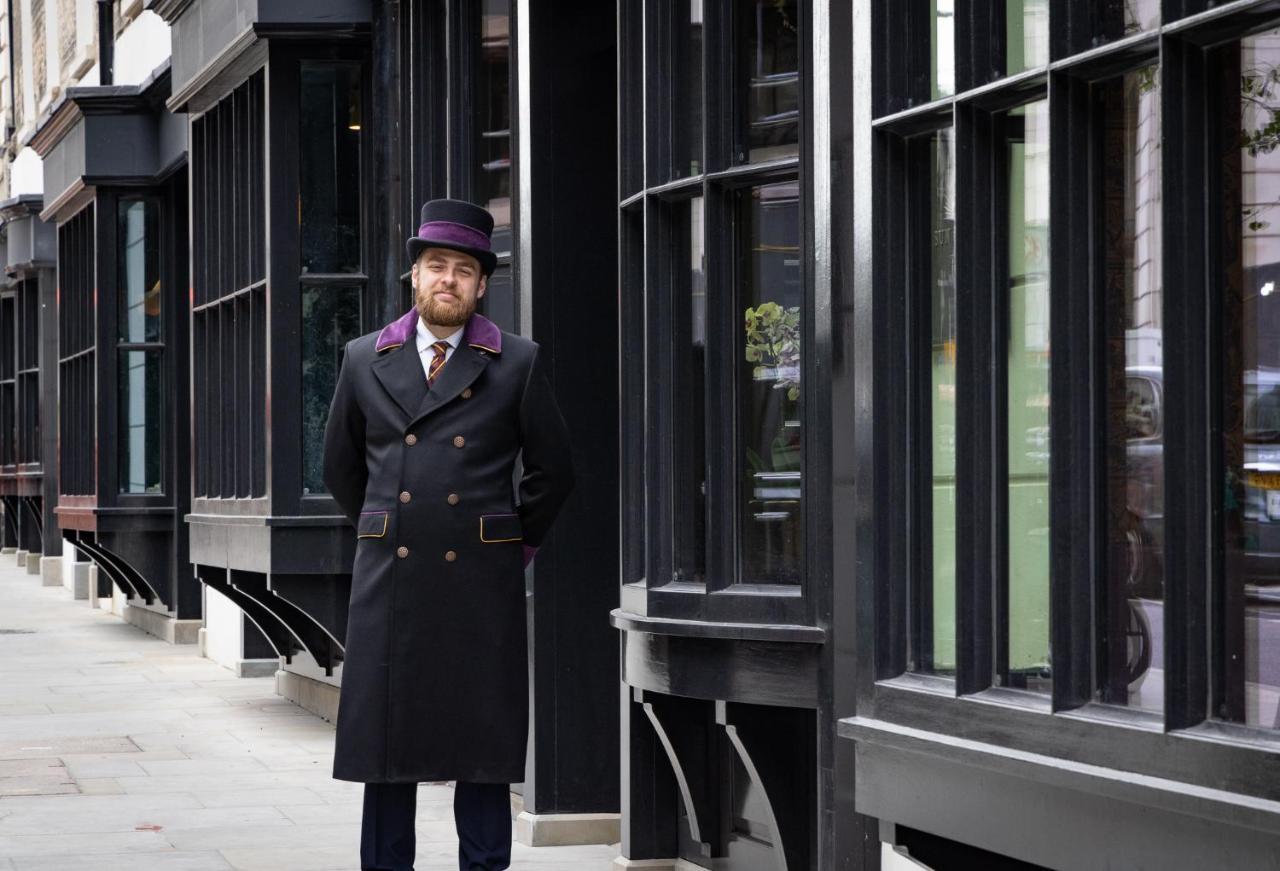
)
(480, 333)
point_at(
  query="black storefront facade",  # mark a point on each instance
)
(946, 381)
(920, 358)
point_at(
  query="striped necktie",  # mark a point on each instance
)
(437, 362)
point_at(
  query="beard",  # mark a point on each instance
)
(445, 314)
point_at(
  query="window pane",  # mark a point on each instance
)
(141, 422)
(1027, 385)
(1026, 35)
(943, 36)
(1110, 20)
(330, 319)
(689, 379)
(329, 191)
(1251, 412)
(139, 271)
(686, 126)
(493, 99)
(934, 614)
(769, 66)
(1133, 655)
(771, 297)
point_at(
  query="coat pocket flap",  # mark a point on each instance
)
(373, 524)
(495, 528)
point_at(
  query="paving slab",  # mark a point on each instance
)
(119, 752)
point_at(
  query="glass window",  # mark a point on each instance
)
(492, 166)
(139, 266)
(330, 319)
(689, 375)
(140, 412)
(493, 173)
(1026, 35)
(1024, 657)
(770, 294)
(329, 187)
(1133, 656)
(934, 608)
(686, 127)
(769, 70)
(1251, 393)
(942, 34)
(1110, 20)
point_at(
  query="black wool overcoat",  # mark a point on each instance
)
(435, 680)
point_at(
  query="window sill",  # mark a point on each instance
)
(786, 632)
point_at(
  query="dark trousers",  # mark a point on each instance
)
(481, 812)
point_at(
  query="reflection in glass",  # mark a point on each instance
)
(141, 425)
(934, 614)
(686, 126)
(769, 66)
(1115, 20)
(139, 271)
(943, 36)
(1132, 645)
(1026, 656)
(330, 319)
(689, 381)
(493, 119)
(1251, 392)
(771, 297)
(1026, 35)
(329, 150)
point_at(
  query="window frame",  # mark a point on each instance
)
(647, 275)
(1186, 743)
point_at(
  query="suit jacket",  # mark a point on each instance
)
(435, 677)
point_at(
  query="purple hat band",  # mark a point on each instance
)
(453, 234)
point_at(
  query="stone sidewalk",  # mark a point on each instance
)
(119, 751)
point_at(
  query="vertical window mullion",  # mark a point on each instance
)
(1075, 418)
(1189, 491)
(976, 471)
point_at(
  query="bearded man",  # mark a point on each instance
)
(429, 417)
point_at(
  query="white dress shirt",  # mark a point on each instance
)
(426, 339)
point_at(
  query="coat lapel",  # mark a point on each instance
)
(460, 372)
(400, 371)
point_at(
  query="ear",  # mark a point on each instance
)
(484, 284)
(413, 275)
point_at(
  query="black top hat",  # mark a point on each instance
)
(459, 226)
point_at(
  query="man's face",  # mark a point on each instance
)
(446, 286)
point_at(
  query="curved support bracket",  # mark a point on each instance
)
(682, 779)
(779, 851)
(320, 644)
(104, 565)
(125, 570)
(278, 635)
(10, 519)
(37, 516)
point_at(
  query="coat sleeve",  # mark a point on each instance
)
(345, 470)
(546, 456)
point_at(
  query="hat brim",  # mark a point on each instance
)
(416, 245)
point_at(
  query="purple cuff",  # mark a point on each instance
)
(528, 554)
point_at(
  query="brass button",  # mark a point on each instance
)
(466, 394)
(459, 441)
(453, 498)
(450, 556)
(411, 440)
(402, 551)
(405, 497)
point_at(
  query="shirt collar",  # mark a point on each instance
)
(426, 338)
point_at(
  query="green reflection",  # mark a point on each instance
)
(942, 394)
(1028, 396)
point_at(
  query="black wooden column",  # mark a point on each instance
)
(566, 261)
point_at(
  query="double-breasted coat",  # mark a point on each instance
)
(435, 680)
